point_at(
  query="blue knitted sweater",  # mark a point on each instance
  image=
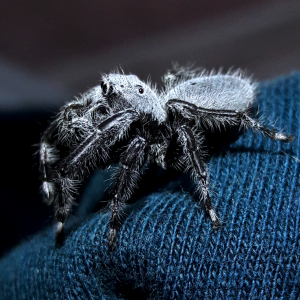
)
(167, 248)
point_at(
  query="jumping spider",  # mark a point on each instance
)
(126, 120)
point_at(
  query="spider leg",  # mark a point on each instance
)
(198, 167)
(125, 181)
(86, 156)
(216, 118)
(59, 133)
(48, 158)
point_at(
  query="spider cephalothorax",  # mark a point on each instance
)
(125, 120)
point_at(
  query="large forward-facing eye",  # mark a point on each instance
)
(107, 88)
(141, 90)
(103, 87)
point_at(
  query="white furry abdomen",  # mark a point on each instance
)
(221, 92)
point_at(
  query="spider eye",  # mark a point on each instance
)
(104, 87)
(107, 88)
(141, 90)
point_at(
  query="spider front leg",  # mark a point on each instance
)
(48, 158)
(90, 154)
(198, 167)
(125, 181)
(59, 133)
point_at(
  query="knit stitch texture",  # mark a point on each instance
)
(167, 248)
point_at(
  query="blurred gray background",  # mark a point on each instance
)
(53, 50)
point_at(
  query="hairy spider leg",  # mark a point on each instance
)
(95, 147)
(49, 154)
(125, 181)
(214, 119)
(198, 168)
(48, 158)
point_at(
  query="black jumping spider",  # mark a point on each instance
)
(125, 120)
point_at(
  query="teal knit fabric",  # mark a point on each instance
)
(167, 248)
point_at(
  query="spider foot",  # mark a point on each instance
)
(284, 137)
(59, 233)
(112, 239)
(216, 222)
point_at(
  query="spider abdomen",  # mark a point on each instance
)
(220, 92)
